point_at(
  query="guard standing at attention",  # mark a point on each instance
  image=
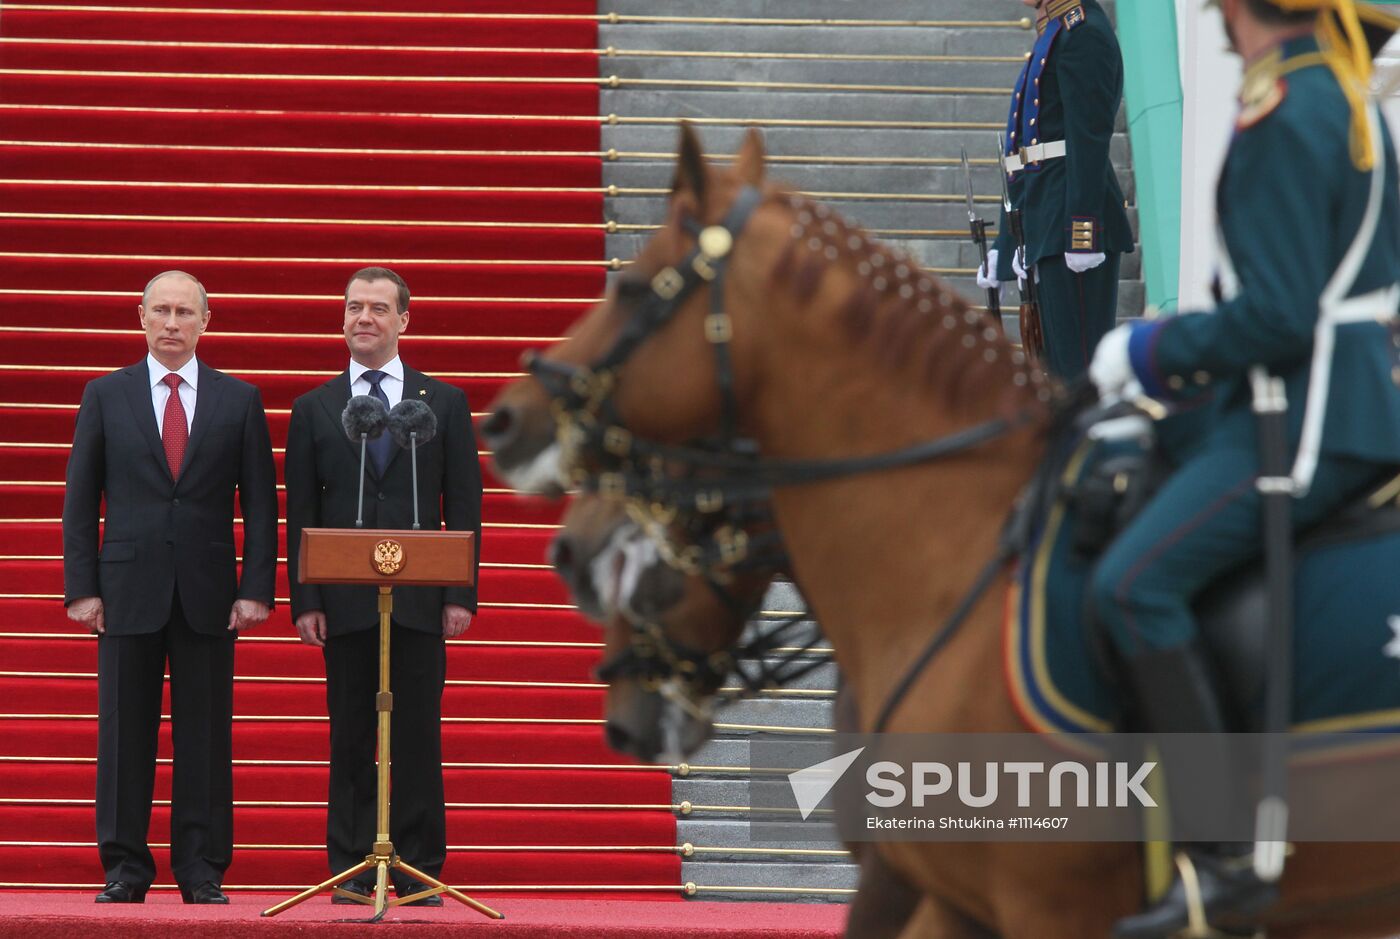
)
(1061, 178)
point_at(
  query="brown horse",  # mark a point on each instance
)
(838, 347)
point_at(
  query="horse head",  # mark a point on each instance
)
(669, 393)
(668, 635)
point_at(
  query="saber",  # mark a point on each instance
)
(1032, 335)
(978, 227)
(1276, 489)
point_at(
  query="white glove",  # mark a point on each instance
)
(987, 273)
(1018, 264)
(1079, 263)
(1111, 371)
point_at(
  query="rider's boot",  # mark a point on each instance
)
(1177, 695)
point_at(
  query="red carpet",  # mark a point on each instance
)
(163, 916)
(271, 152)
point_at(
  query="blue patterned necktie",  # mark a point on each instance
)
(381, 447)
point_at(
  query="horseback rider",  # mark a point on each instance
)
(1309, 218)
(1063, 111)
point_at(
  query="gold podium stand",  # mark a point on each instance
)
(385, 559)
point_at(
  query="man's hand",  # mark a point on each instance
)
(246, 614)
(1018, 266)
(90, 613)
(311, 627)
(987, 273)
(1079, 262)
(455, 620)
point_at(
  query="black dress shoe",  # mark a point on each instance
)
(119, 891)
(207, 892)
(357, 887)
(406, 890)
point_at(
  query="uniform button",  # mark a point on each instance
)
(1042, 62)
(1202, 378)
(175, 501)
(1037, 102)
(382, 497)
(1034, 141)
(1175, 383)
(1032, 122)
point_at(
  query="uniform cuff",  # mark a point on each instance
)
(1142, 355)
(1083, 235)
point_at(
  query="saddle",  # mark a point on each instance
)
(1232, 612)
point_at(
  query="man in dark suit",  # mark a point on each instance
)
(168, 441)
(323, 479)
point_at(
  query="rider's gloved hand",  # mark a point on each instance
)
(1111, 371)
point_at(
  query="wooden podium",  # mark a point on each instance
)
(386, 559)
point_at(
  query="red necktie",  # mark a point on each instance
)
(175, 430)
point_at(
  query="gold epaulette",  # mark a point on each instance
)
(1073, 10)
(1263, 90)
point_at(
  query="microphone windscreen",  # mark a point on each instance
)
(364, 415)
(409, 417)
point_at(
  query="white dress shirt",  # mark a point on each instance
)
(160, 391)
(391, 384)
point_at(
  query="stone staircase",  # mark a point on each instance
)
(866, 105)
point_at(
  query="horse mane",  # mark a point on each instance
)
(903, 314)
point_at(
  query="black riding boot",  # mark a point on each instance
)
(1177, 695)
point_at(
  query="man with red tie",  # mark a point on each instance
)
(168, 442)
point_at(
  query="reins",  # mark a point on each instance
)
(718, 478)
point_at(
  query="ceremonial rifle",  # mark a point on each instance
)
(978, 228)
(1032, 337)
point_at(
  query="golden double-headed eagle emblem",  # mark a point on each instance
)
(388, 557)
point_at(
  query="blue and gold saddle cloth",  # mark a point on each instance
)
(1346, 642)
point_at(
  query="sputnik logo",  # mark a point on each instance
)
(810, 785)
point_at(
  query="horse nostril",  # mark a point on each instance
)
(499, 428)
(561, 555)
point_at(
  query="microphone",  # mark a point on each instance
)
(364, 419)
(412, 424)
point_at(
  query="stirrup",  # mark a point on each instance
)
(1197, 926)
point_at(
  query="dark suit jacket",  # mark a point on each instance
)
(160, 533)
(323, 478)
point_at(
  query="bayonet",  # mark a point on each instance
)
(978, 228)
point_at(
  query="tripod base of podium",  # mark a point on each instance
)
(381, 864)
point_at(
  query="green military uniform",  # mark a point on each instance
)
(1291, 204)
(1063, 112)
(1311, 233)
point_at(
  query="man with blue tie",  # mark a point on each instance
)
(167, 443)
(323, 480)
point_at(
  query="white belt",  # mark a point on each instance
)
(1035, 153)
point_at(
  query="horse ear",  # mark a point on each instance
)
(751, 158)
(691, 172)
